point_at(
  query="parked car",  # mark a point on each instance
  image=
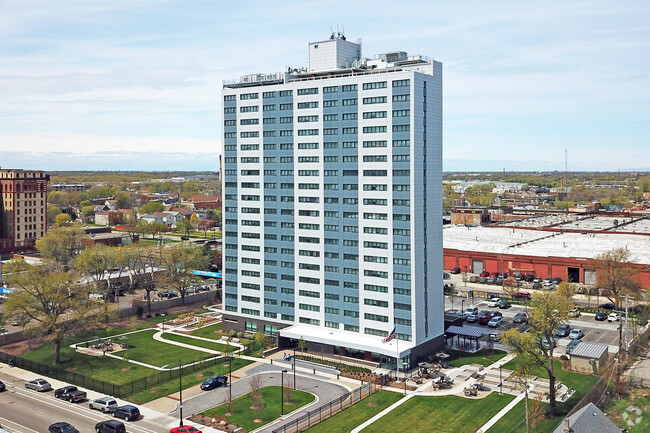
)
(110, 426)
(168, 294)
(576, 334)
(445, 276)
(613, 317)
(472, 318)
(600, 316)
(454, 313)
(574, 312)
(484, 318)
(522, 296)
(70, 393)
(607, 306)
(62, 427)
(495, 313)
(455, 271)
(495, 322)
(502, 275)
(185, 429)
(127, 412)
(537, 286)
(491, 280)
(474, 279)
(556, 280)
(214, 382)
(548, 344)
(581, 290)
(2, 386)
(471, 310)
(563, 330)
(483, 280)
(505, 304)
(484, 274)
(39, 385)
(572, 345)
(520, 317)
(105, 404)
(529, 278)
(494, 302)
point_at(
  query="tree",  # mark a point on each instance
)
(52, 211)
(260, 339)
(480, 194)
(98, 262)
(61, 244)
(550, 310)
(62, 219)
(178, 261)
(151, 207)
(87, 212)
(302, 345)
(52, 299)
(615, 273)
(124, 200)
(143, 262)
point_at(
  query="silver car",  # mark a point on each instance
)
(39, 385)
(105, 404)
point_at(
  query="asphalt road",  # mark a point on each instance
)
(26, 411)
(271, 375)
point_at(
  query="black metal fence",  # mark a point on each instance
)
(122, 390)
(327, 410)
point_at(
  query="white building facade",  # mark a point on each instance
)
(332, 212)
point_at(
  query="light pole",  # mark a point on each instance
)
(164, 320)
(282, 390)
(500, 380)
(230, 378)
(180, 392)
(294, 368)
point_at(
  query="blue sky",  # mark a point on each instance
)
(135, 85)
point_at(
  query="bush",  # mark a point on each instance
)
(139, 311)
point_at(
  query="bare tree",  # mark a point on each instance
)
(255, 384)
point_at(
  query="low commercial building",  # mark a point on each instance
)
(588, 358)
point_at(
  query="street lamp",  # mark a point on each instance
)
(500, 380)
(180, 392)
(230, 378)
(282, 390)
(164, 320)
(294, 368)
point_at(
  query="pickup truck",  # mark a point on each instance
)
(70, 393)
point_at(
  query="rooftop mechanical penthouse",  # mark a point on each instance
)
(332, 204)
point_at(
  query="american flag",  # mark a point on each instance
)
(390, 336)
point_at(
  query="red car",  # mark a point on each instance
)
(185, 429)
(484, 274)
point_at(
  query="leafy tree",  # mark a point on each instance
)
(52, 211)
(62, 219)
(151, 207)
(194, 219)
(178, 260)
(480, 194)
(85, 203)
(260, 339)
(302, 345)
(615, 273)
(550, 310)
(61, 244)
(52, 299)
(124, 200)
(98, 262)
(87, 212)
(143, 262)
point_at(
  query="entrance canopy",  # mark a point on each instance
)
(464, 331)
(352, 340)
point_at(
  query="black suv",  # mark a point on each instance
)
(62, 427)
(110, 426)
(563, 330)
(214, 382)
(127, 412)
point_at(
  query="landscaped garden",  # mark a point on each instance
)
(514, 421)
(483, 357)
(256, 409)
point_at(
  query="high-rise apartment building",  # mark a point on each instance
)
(332, 212)
(23, 208)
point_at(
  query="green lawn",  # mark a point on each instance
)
(212, 331)
(514, 421)
(484, 357)
(244, 416)
(199, 343)
(451, 414)
(189, 380)
(351, 417)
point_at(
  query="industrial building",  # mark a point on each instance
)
(332, 204)
(562, 245)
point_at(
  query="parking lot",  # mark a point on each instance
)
(595, 332)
